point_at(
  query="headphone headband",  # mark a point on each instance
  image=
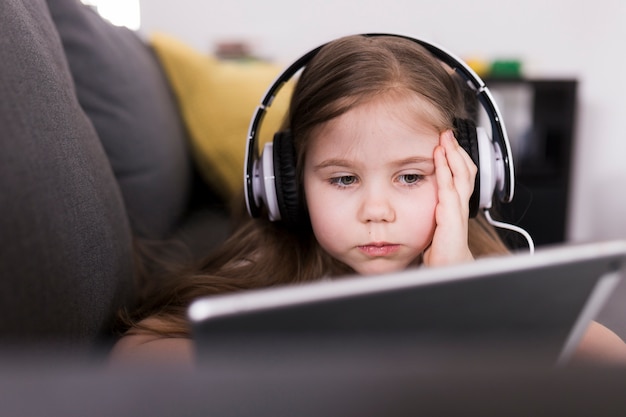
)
(504, 190)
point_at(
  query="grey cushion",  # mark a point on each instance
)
(65, 242)
(123, 90)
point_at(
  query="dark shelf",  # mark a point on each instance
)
(540, 116)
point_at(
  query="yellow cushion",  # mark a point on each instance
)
(217, 100)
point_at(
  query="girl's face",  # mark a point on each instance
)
(370, 185)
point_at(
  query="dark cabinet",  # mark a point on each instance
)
(540, 116)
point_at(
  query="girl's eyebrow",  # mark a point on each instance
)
(335, 162)
(332, 163)
(415, 160)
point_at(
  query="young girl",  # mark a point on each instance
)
(383, 183)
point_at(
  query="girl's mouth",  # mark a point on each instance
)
(379, 249)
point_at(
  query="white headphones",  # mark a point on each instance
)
(270, 179)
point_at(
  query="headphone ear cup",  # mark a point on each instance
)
(286, 178)
(466, 137)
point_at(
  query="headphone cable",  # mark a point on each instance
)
(507, 226)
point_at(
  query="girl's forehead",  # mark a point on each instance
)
(399, 105)
(392, 112)
(376, 128)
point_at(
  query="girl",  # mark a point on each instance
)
(383, 183)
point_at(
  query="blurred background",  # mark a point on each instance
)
(561, 92)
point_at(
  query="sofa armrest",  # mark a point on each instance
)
(66, 248)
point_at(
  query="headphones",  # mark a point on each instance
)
(270, 179)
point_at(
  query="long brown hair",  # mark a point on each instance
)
(260, 253)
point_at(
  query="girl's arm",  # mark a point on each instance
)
(144, 349)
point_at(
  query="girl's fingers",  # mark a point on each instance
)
(450, 200)
(462, 168)
(442, 169)
(460, 158)
(449, 244)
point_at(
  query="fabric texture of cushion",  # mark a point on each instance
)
(65, 263)
(123, 90)
(217, 99)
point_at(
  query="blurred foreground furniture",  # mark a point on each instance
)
(514, 390)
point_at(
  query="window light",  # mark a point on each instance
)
(119, 12)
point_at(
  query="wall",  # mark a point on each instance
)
(554, 38)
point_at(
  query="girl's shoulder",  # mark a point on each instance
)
(137, 347)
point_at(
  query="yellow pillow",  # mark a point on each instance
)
(217, 100)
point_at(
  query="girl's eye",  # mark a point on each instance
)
(410, 178)
(344, 180)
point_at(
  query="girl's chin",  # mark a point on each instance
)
(386, 266)
(380, 268)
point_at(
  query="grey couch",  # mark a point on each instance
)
(93, 155)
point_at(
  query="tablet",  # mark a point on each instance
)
(509, 307)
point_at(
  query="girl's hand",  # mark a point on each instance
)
(455, 173)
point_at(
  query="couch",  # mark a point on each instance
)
(94, 155)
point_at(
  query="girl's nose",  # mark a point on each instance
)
(376, 206)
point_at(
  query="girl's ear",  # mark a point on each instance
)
(285, 172)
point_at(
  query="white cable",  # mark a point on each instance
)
(531, 244)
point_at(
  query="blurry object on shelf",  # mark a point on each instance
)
(235, 50)
(498, 68)
(506, 68)
(481, 66)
